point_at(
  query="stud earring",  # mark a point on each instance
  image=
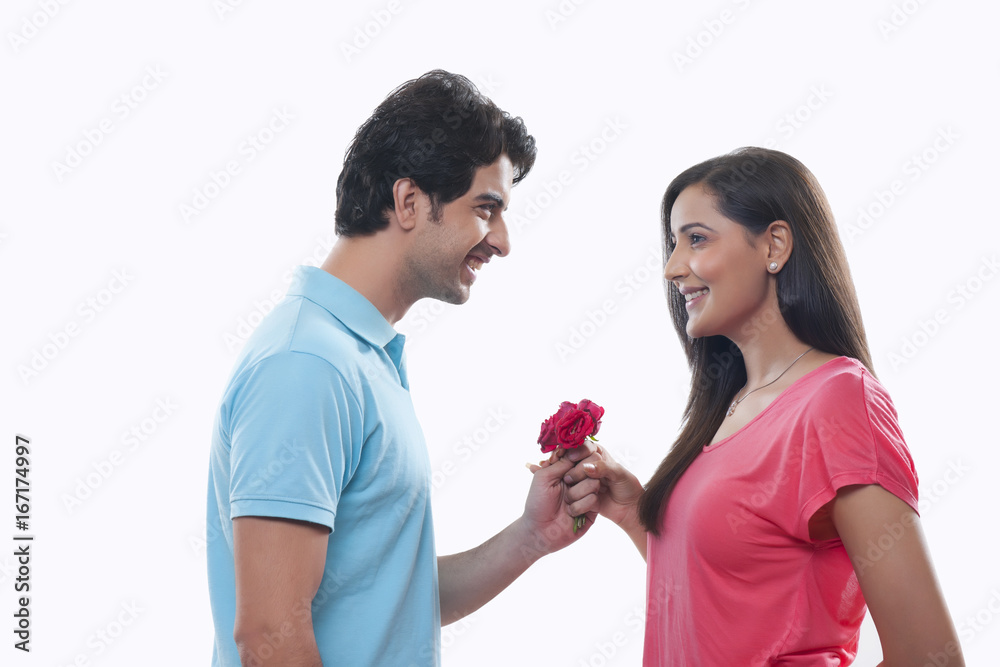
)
(773, 266)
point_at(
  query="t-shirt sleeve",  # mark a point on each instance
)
(853, 438)
(296, 437)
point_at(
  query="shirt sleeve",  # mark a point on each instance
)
(854, 438)
(296, 439)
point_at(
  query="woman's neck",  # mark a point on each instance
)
(766, 356)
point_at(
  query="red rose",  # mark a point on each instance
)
(548, 437)
(596, 412)
(574, 428)
(567, 429)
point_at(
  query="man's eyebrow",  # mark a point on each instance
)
(493, 197)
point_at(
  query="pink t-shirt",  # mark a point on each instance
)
(734, 579)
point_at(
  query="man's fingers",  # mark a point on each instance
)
(587, 505)
(553, 472)
(582, 490)
(586, 449)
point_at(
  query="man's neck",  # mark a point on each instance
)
(370, 265)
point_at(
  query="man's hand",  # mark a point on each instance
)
(547, 521)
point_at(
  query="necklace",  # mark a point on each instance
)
(732, 407)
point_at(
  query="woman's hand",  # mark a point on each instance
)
(599, 483)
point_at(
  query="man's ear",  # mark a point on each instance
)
(405, 196)
(779, 242)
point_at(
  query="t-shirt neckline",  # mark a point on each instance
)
(787, 390)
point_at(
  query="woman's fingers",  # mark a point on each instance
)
(592, 467)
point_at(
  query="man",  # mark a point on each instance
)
(319, 477)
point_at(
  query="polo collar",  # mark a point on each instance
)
(343, 302)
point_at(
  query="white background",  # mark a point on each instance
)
(878, 99)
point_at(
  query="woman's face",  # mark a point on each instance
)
(722, 275)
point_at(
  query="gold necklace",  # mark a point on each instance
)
(732, 406)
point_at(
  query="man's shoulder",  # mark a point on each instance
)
(299, 328)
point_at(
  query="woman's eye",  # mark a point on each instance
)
(695, 238)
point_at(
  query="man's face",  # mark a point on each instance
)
(447, 253)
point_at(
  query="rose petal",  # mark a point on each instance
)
(547, 437)
(595, 411)
(573, 429)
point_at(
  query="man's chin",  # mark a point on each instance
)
(455, 297)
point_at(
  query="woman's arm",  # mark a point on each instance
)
(600, 484)
(883, 538)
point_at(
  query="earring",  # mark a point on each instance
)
(773, 266)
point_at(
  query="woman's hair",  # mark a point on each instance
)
(438, 130)
(816, 298)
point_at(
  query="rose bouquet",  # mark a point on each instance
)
(567, 429)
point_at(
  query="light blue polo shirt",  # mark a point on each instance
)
(317, 424)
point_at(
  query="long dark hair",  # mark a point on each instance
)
(816, 297)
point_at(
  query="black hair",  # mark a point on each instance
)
(438, 130)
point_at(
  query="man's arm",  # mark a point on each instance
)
(471, 579)
(279, 566)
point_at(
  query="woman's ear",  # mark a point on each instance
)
(779, 243)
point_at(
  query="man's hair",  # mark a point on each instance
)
(436, 130)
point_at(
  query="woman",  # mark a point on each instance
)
(789, 499)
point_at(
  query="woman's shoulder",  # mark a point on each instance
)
(834, 378)
(840, 370)
(843, 382)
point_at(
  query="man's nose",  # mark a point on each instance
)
(498, 238)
